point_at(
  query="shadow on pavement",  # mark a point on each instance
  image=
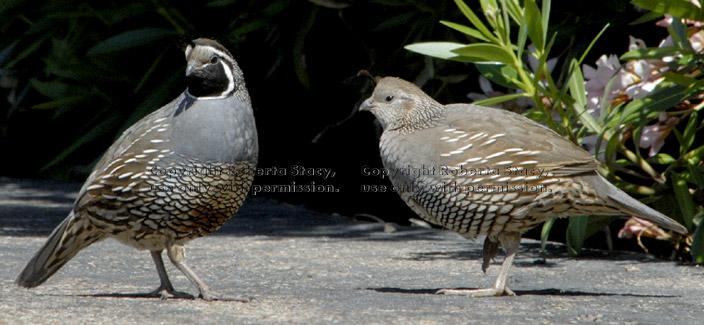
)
(542, 292)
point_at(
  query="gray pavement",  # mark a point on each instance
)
(303, 266)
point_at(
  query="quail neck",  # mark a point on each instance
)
(211, 72)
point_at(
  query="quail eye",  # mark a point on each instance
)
(214, 59)
(389, 98)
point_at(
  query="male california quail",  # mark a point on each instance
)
(483, 171)
(177, 174)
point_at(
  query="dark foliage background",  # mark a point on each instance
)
(74, 74)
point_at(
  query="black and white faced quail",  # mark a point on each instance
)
(177, 174)
(482, 171)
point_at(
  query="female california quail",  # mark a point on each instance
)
(177, 174)
(484, 171)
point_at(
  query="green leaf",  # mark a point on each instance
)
(678, 32)
(498, 99)
(514, 10)
(684, 199)
(299, 50)
(662, 98)
(677, 8)
(689, 133)
(130, 39)
(27, 51)
(474, 20)
(522, 37)
(578, 92)
(545, 232)
(60, 102)
(661, 159)
(491, 12)
(501, 74)
(535, 25)
(5, 52)
(597, 223)
(404, 19)
(698, 244)
(576, 85)
(465, 30)
(650, 53)
(484, 52)
(53, 89)
(547, 4)
(679, 79)
(248, 27)
(611, 147)
(695, 174)
(576, 234)
(440, 50)
(648, 16)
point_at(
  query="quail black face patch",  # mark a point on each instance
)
(208, 81)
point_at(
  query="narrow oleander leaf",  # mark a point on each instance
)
(684, 199)
(130, 39)
(535, 24)
(501, 74)
(440, 50)
(689, 133)
(60, 102)
(662, 98)
(545, 232)
(696, 175)
(678, 32)
(677, 8)
(576, 230)
(679, 79)
(465, 30)
(474, 20)
(579, 94)
(698, 244)
(650, 53)
(498, 99)
(661, 159)
(484, 52)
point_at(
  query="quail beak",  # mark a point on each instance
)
(367, 105)
(190, 68)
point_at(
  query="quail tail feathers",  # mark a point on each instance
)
(635, 207)
(64, 243)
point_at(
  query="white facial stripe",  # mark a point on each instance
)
(227, 68)
(220, 54)
(230, 79)
(188, 51)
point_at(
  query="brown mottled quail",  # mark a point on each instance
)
(483, 171)
(177, 174)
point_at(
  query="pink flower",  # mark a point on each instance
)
(653, 136)
(639, 227)
(640, 77)
(596, 81)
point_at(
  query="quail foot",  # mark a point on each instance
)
(177, 174)
(488, 172)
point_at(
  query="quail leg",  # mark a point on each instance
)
(510, 242)
(165, 290)
(177, 255)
